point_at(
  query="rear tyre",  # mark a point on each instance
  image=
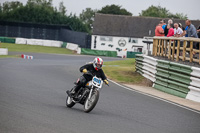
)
(69, 102)
(91, 103)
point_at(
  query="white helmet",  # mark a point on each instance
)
(97, 63)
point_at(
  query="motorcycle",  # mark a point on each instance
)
(88, 96)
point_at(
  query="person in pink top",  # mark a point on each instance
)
(170, 30)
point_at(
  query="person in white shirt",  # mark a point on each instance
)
(177, 30)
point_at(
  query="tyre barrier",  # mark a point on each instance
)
(40, 42)
(72, 46)
(23, 56)
(3, 51)
(173, 78)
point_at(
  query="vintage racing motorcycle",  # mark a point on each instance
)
(87, 96)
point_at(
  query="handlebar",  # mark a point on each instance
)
(89, 73)
(108, 85)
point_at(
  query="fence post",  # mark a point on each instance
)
(166, 43)
(178, 51)
(184, 49)
(159, 46)
(173, 50)
(191, 51)
(162, 48)
(154, 44)
(199, 52)
(169, 49)
(156, 47)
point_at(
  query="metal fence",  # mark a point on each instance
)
(42, 31)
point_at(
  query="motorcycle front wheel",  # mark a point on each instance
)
(69, 102)
(91, 103)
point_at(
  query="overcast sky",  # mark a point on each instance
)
(189, 7)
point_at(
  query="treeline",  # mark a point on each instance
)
(42, 11)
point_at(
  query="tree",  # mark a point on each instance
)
(1, 9)
(62, 8)
(178, 16)
(87, 17)
(8, 6)
(40, 2)
(40, 11)
(158, 11)
(115, 10)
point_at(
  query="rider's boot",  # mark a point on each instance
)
(73, 92)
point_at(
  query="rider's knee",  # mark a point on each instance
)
(82, 80)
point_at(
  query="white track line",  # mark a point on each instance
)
(127, 88)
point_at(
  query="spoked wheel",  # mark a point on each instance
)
(91, 103)
(69, 102)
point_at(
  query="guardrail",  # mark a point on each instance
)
(173, 78)
(179, 48)
(40, 42)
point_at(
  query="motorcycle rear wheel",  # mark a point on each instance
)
(91, 103)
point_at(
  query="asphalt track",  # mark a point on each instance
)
(32, 100)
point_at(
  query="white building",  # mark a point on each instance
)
(119, 44)
(122, 33)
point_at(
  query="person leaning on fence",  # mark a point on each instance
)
(180, 25)
(198, 31)
(159, 30)
(170, 30)
(177, 30)
(166, 30)
(185, 32)
(192, 32)
(163, 24)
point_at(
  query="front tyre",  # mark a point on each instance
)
(91, 103)
(69, 102)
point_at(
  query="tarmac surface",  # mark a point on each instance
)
(32, 100)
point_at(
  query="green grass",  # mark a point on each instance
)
(9, 56)
(123, 71)
(34, 49)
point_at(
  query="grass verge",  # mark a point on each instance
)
(35, 49)
(9, 56)
(123, 71)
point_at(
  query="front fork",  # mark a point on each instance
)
(90, 94)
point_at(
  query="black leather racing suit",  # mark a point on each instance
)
(85, 78)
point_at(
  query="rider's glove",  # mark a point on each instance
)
(106, 81)
(84, 70)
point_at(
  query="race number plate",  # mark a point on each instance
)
(97, 82)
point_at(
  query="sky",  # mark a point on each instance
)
(189, 7)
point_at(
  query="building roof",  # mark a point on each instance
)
(128, 26)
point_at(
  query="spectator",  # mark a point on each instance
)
(166, 30)
(180, 25)
(191, 31)
(170, 30)
(159, 30)
(185, 32)
(177, 30)
(163, 24)
(198, 31)
(170, 21)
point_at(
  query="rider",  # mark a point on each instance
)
(95, 69)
